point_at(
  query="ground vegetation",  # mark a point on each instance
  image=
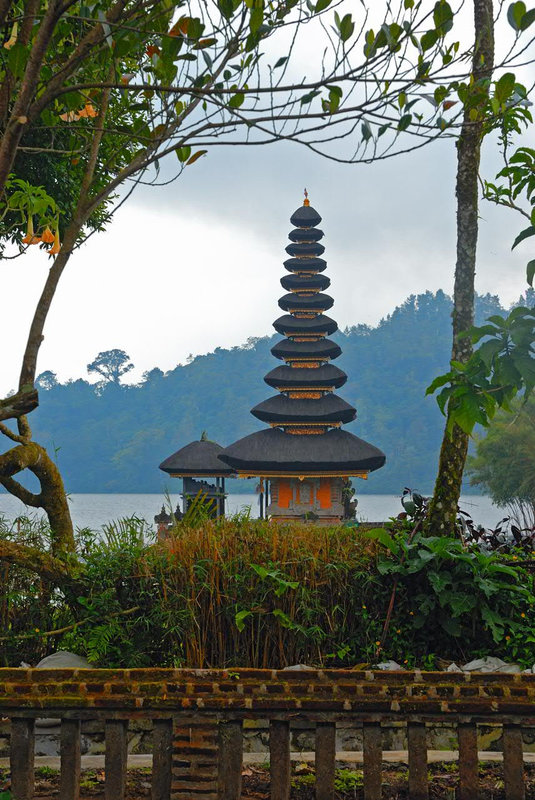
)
(244, 592)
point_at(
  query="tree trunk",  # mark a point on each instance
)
(443, 506)
(52, 498)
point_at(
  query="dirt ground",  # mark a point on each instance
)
(442, 777)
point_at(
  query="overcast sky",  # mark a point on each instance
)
(195, 265)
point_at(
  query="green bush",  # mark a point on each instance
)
(246, 592)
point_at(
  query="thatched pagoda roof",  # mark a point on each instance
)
(197, 459)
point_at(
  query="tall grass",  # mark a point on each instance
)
(263, 594)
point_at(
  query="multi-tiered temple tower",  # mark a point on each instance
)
(305, 457)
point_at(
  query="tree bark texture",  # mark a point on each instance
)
(19, 404)
(52, 497)
(443, 507)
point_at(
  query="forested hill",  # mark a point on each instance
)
(113, 438)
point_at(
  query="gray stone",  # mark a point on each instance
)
(391, 666)
(60, 660)
(63, 660)
(490, 664)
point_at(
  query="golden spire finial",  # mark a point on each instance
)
(306, 201)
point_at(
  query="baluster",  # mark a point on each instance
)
(115, 759)
(230, 760)
(325, 760)
(69, 783)
(513, 763)
(21, 758)
(279, 759)
(418, 784)
(372, 753)
(468, 761)
(162, 758)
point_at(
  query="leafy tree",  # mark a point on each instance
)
(111, 365)
(504, 464)
(479, 383)
(47, 380)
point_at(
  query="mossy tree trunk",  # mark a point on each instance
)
(27, 454)
(443, 506)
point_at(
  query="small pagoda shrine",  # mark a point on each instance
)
(304, 459)
(195, 464)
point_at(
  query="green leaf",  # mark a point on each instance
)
(308, 98)
(240, 618)
(428, 40)
(441, 380)
(346, 27)
(382, 536)
(525, 234)
(321, 5)
(236, 100)
(505, 87)
(488, 350)
(16, 59)
(443, 17)
(530, 272)
(183, 153)
(404, 122)
(257, 17)
(515, 12)
(408, 3)
(366, 131)
(281, 62)
(528, 19)
(226, 7)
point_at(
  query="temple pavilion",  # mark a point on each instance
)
(304, 459)
(196, 463)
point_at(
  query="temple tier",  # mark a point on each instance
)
(305, 460)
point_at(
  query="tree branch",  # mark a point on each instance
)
(24, 495)
(24, 401)
(36, 561)
(15, 437)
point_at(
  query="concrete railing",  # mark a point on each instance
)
(198, 716)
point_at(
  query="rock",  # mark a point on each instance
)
(297, 667)
(63, 660)
(490, 664)
(60, 660)
(453, 667)
(388, 665)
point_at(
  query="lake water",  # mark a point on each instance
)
(94, 510)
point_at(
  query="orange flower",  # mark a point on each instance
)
(47, 236)
(56, 247)
(69, 116)
(13, 38)
(30, 237)
(88, 111)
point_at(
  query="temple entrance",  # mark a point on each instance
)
(309, 499)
